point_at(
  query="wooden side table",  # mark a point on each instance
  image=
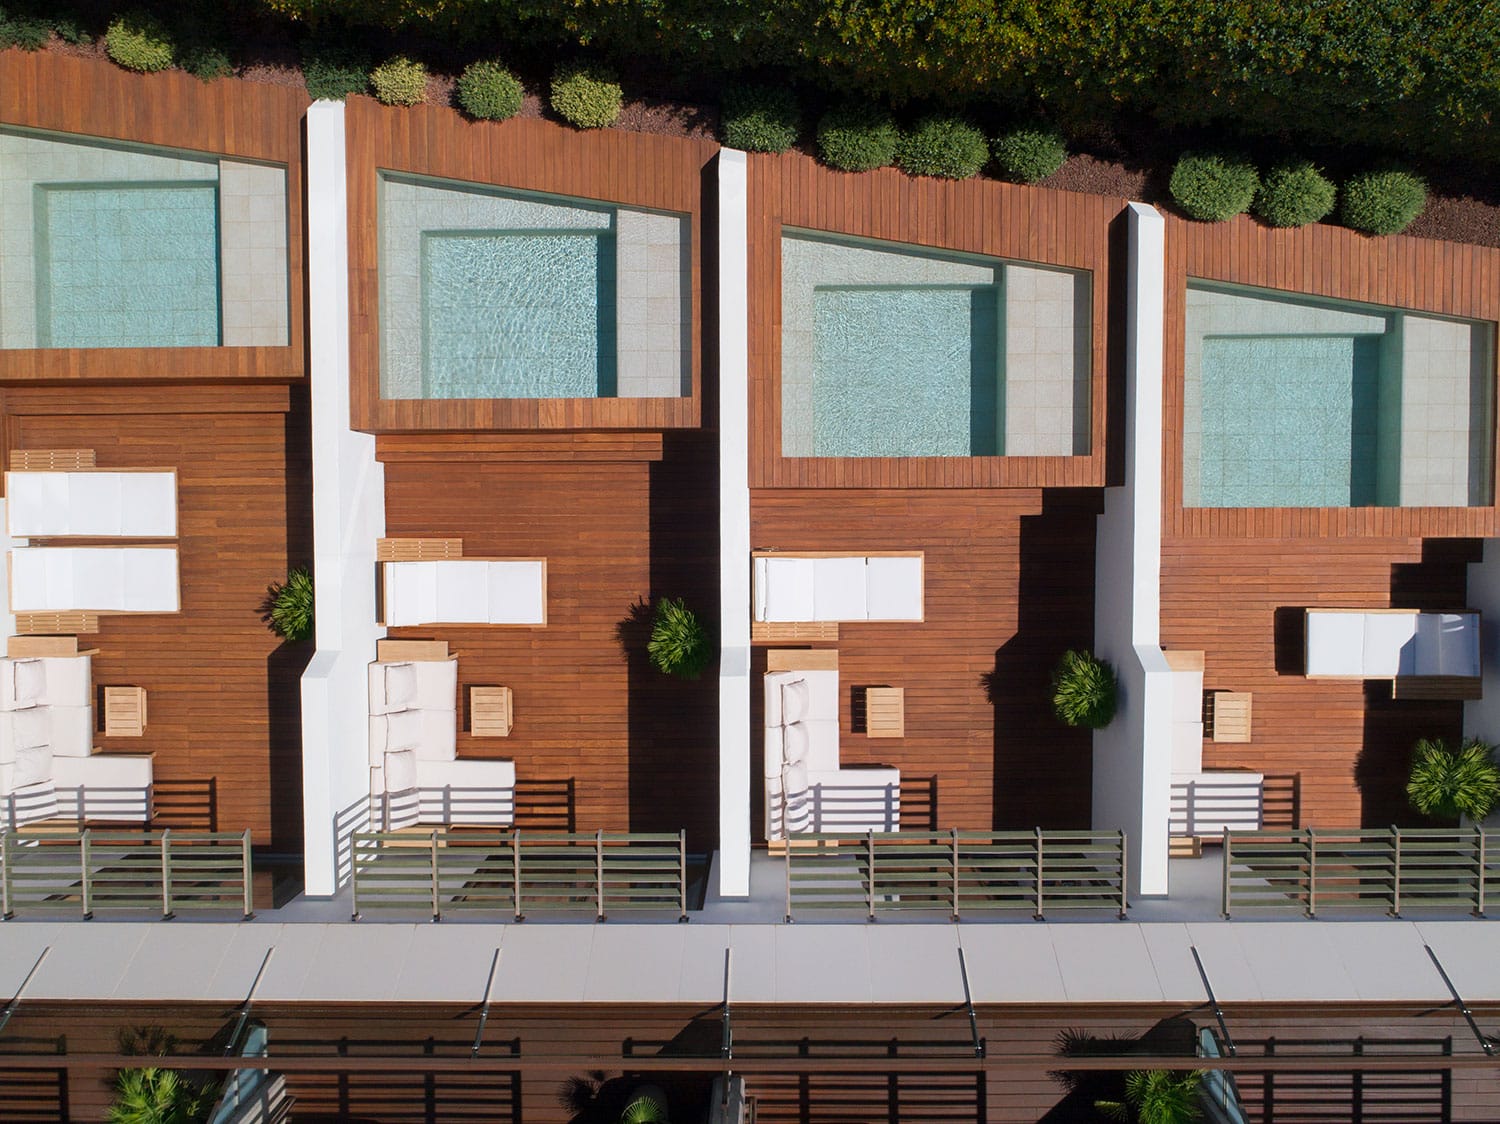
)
(1231, 714)
(885, 712)
(124, 712)
(490, 712)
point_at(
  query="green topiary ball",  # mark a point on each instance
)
(332, 73)
(1294, 194)
(760, 118)
(1084, 690)
(30, 33)
(1213, 186)
(1382, 202)
(139, 41)
(586, 97)
(1029, 154)
(488, 91)
(943, 146)
(400, 81)
(858, 138)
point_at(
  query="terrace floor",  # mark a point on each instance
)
(1009, 587)
(223, 693)
(1240, 600)
(601, 740)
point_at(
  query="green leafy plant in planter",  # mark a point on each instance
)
(1030, 153)
(288, 609)
(489, 92)
(1382, 202)
(1294, 194)
(1156, 1096)
(1084, 690)
(157, 1096)
(858, 138)
(647, 1105)
(680, 643)
(948, 147)
(333, 72)
(400, 81)
(139, 41)
(1447, 783)
(1213, 186)
(30, 33)
(760, 118)
(586, 97)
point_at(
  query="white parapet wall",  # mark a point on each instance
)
(1482, 716)
(734, 528)
(348, 516)
(1133, 755)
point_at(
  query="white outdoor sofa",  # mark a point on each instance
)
(1203, 803)
(806, 789)
(509, 591)
(98, 579)
(48, 767)
(92, 503)
(798, 587)
(415, 775)
(1394, 644)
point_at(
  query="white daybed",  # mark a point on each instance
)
(97, 503)
(1391, 644)
(465, 591)
(1204, 803)
(48, 767)
(837, 587)
(96, 579)
(806, 789)
(415, 775)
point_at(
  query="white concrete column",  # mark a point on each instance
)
(348, 516)
(1133, 755)
(734, 527)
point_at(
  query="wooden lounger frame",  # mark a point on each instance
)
(51, 460)
(53, 624)
(417, 550)
(412, 651)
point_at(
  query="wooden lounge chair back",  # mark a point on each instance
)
(417, 550)
(54, 624)
(51, 460)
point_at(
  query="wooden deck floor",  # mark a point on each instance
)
(1009, 587)
(223, 695)
(639, 750)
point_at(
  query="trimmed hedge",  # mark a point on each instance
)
(587, 97)
(1213, 186)
(857, 138)
(1029, 154)
(400, 81)
(30, 33)
(1382, 202)
(332, 73)
(1294, 194)
(488, 91)
(205, 61)
(760, 118)
(139, 41)
(949, 147)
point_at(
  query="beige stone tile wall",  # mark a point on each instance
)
(252, 254)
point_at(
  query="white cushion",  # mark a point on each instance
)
(517, 592)
(31, 727)
(400, 770)
(410, 593)
(30, 682)
(822, 744)
(787, 589)
(36, 504)
(1187, 696)
(150, 579)
(1448, 644)
(71, 730)
(462, 592)
(403, 730)
(839, 589)
(1335, 644)
(400, 685)
(894, 589)
(33, 765)
(823, 695)
(98, 579)
(94, 503)
(148, 505)
(795, 744)
(70, 680)
(1390, 645)
(1187, 747)
(795, 701)
(775, 751)
(794, 778)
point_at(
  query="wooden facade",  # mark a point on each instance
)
(632, 169)
(250, 121)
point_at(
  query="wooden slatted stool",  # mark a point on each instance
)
(1231, 716)
(491, 712)
(124, 712)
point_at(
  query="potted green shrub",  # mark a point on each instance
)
(1084, 690)
(1213, 186)
(587, 97)
(288, 608)
(1029, 153)
(1447, 783)
(947, 147)
(400, 81)
(1157, 1096)
(157, 1096)
(858, 138)
(489, 92)
(680, 643)
(647, 1105)
(760, 118)
(1385, 201)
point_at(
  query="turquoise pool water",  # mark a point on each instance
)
(1291, 421)
(518, 314)
(906, 371)
(127, 264)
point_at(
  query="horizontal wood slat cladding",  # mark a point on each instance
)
(224, 693)
(1013, 1085)
(1448, 278)
(640, 748)
(518, 447)
(228, 117)
(1031, 224)
(1009, 584)
(633, 169)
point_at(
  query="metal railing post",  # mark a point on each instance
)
(787, 844)
(437, 912)
(1224, 901)
(247, 875)
(5, 846)
(1483, 859)
(682, 873)
(599, 873)
(870, 873)
(1312, 873)
(1039, 915)
(1124, 873)
(166, 874)
(83, 861)
(954, 830)
(354, 875)
(1396, 871)
(515, 865)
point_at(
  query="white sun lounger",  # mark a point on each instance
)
(95, 579)
(465, 591)
(834, 587)
(91, 504)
